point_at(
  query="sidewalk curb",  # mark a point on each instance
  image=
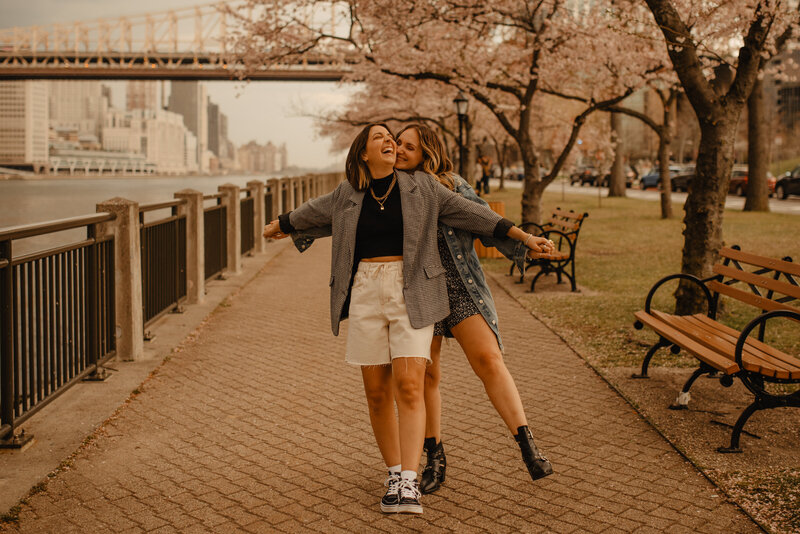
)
(70, 424)
(631, 402)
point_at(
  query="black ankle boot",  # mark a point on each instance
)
(434, 472)
(538, 466)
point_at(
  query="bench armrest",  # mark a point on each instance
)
(755, 386)
(712, 307)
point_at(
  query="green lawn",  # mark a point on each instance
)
(623, 249)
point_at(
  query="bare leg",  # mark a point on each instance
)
(380, 399)
(409, 387)
(433, 397)
(480, 345)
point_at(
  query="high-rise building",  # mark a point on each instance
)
(158, 134)
(23, 123)
(190, 99)
(142, 94)
(79, 105)
(213, 127)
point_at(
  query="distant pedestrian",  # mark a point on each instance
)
(485, 163)
(386, 275)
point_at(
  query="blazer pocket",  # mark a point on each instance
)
(432, 271)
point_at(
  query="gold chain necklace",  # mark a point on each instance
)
(382, 199)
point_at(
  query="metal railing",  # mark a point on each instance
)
(248, 216)
(269, 192)
(216, 236)
(163, 245)
(56, 315)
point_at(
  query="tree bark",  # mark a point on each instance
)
(533, 188)
(757, 188)
(616, 182)
(663, 173)
(705, 206)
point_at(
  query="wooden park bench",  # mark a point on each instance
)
(767, 284)
(563, 229)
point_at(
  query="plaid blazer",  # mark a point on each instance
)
(425, 203)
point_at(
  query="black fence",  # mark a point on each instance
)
(163, 244)
(248, 221)
(57, 320)
(216, 237)
(269, 192)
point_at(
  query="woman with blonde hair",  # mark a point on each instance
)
(387, 277)
(472, 320)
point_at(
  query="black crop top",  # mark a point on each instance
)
(380, 232)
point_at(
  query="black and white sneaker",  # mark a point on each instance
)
(409, 497)
(391, 500)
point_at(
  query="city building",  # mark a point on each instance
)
(190, 99)
(158, 134)
(262, 158)
(213, 128)
(78, 104)
(142, 94)
(24, 124)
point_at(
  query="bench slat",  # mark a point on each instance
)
(565, 226)
(749, 298)
(709, 356)
(760, 261)
(714, 342)
(568, 214)
(790, 362)
(752, 359)
(759, 280)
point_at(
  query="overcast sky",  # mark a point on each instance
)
(260, 111)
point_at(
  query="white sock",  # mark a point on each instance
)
(408, 474)
(396, 469)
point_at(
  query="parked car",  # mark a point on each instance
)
(680, 181)
(653, 179)
(738, 184)
(584, 175)
(630, 176)
(789, 184)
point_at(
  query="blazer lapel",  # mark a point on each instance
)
(412, 217)
(350, 216)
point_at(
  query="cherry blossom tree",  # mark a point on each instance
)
(501, 53)
(698, 38)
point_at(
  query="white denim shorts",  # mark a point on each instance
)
(379, 328)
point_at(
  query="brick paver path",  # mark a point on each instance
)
(258, 425)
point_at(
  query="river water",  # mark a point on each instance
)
(33, 201)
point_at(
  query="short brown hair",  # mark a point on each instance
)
(435, 160)
(355, 168)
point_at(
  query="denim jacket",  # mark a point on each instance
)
(460, 242)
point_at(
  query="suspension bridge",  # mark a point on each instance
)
(194, 43)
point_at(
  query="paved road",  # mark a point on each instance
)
(257, 425)
(791, 205)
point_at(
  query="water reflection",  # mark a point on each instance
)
(32, 201)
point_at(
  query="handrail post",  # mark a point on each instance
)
(7, 341)
(256, 188)
(195, 244)
(234, 222)
(127, 277)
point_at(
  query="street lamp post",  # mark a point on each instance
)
(462, 107)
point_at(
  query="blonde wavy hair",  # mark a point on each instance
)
(435, 160)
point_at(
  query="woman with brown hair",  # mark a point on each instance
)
(387, 276)
(472, 320)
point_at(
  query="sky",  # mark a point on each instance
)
(260, 111)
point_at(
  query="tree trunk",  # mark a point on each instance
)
(757, 188)
(663, 172)
(705, 206)
(533, 187)
(616, 182)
